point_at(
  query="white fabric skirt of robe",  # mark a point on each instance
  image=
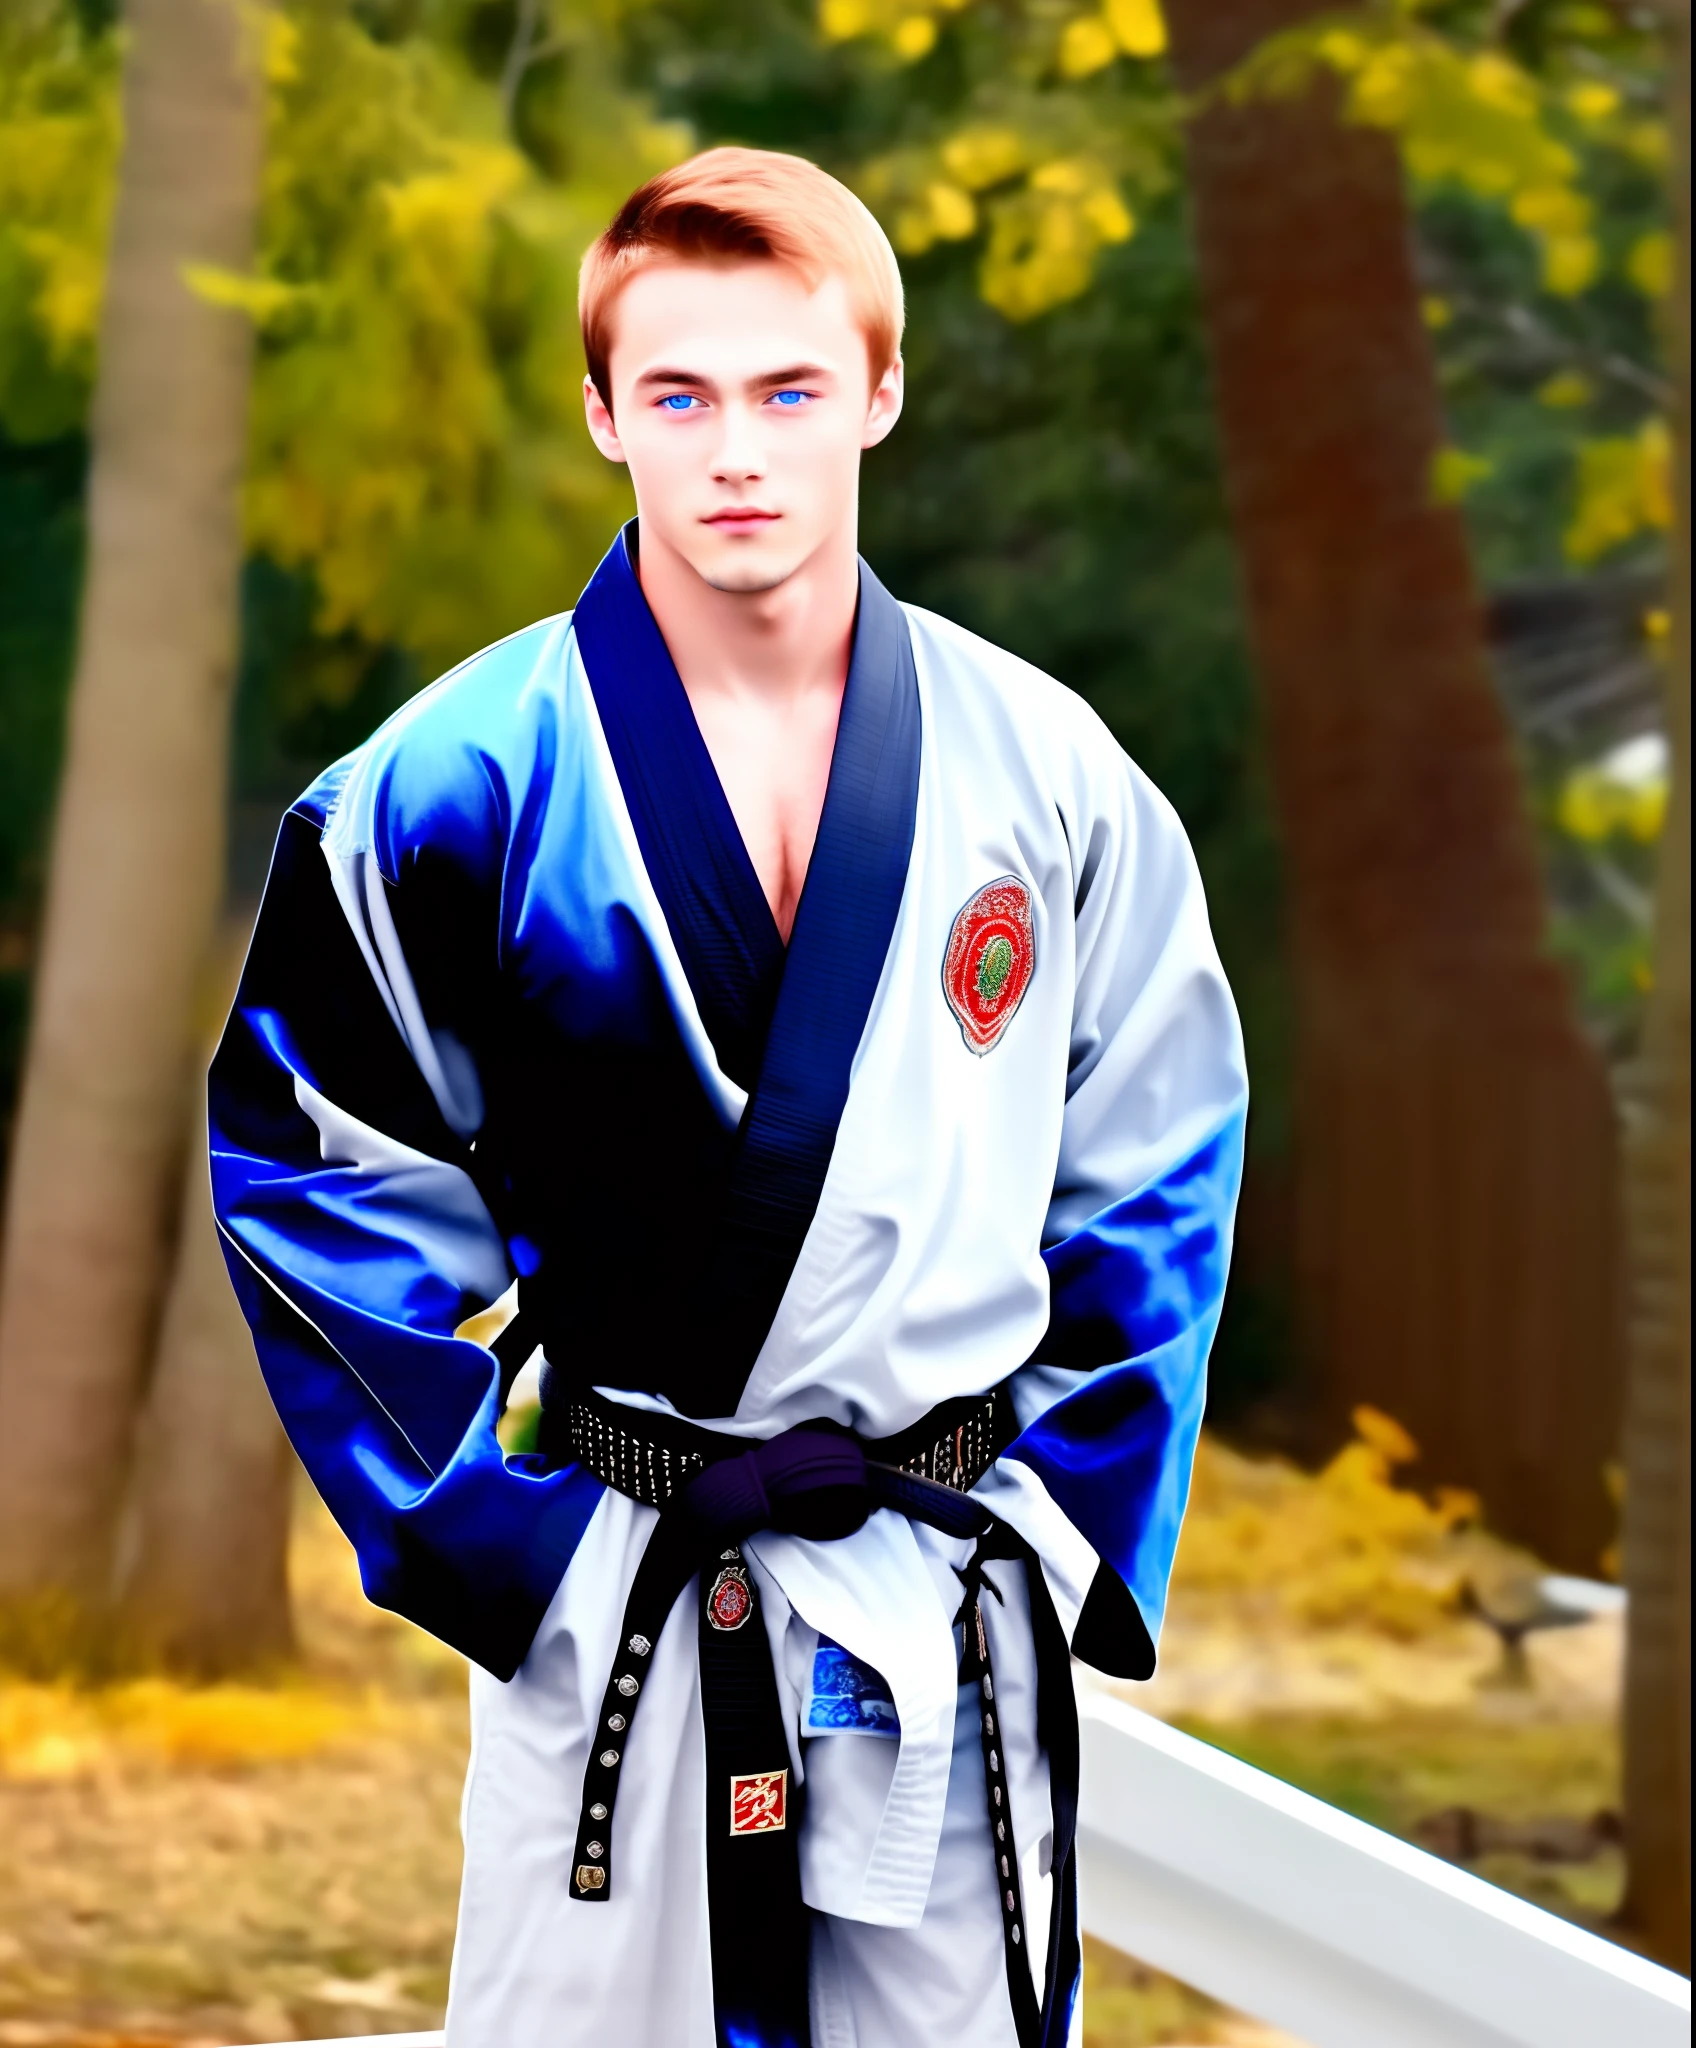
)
(896, 1851)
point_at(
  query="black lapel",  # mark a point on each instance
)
(729, 945)
(714, 906)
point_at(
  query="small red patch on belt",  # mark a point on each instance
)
(731, 1600)
(759, 1803)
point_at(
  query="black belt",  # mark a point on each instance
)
(649, 1457)
(817, 1480)
(712, 1491)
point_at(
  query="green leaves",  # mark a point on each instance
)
(416, 439)
(1053, 130)
(59, 131)
(1467, 116)
(1064, 128)
(1624, 489)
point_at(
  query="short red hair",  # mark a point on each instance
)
(745, 203)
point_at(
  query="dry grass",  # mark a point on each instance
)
(1339, 1596)
(1128, 2005)
(242, 1863)
(1343, 1547)
(1317, 1631)
(232, 1863)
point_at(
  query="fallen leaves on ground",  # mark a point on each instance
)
(184, 1867)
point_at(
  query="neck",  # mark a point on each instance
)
(780, 645)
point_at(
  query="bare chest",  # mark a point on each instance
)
(773, 761)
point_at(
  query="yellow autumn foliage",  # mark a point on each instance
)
(1472, 118)
(1454, 471)
(940, 212)
(417, 437)
(1090, 42)
(1047, 178)
(1087, 44)
(1594, 806)
(1344, 1547)
(416, 434)
(59, 133)
(1138, 26)
(1652, 263)
(1043, 241)
(1048, 212)
(1461, 115)
(1566, 391)
(907, 27)
(60, 1731)
(1624, 489)
(1080, 45)
(984, 154)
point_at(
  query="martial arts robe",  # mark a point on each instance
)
(515, 1007)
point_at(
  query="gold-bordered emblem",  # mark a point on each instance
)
(759, 1803)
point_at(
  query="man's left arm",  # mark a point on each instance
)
(1138, 1236)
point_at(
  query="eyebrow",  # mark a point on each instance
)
(772, 380)
(797, 373)
(664, 376)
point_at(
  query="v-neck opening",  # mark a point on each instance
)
(754, 889)
(721, 921)
(784, 1020)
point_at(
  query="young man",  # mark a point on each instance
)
(816, 1013)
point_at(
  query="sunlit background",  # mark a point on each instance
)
(1304, 388)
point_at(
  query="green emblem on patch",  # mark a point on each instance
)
(990, 959)
(995, 964)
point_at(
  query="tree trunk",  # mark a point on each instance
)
(1657, 1168)
(137, 857)
(1455, 1175)
(206, 1590)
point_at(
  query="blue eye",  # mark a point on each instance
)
(790, 398)
(679, 401)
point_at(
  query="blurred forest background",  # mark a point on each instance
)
(1306, 386)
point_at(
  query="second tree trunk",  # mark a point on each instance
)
(1456, 1237)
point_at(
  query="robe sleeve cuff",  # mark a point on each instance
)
(1111, 1635)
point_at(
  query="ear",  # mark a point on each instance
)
(885, 408)
(599, 416)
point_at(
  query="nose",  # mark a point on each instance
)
(740, 456)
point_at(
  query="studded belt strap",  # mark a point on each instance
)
(651, 1457)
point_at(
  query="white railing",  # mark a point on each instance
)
(1304, 1916)
(1287, 1909)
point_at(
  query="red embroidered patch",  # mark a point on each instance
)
(759, 1803)
(990, 959)
(731, 1600)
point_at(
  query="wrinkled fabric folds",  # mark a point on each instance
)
(466, 1047)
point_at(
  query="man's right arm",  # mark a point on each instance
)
(342, 1130)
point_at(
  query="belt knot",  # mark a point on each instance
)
(811, 1481)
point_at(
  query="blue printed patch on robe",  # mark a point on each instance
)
(846, 1697)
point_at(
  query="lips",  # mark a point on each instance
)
(741, 521)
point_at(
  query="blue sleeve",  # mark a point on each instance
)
(344, 1178)
(1139, 1234)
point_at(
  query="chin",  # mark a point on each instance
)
(746, 579)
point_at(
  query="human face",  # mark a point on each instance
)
(742, 401)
